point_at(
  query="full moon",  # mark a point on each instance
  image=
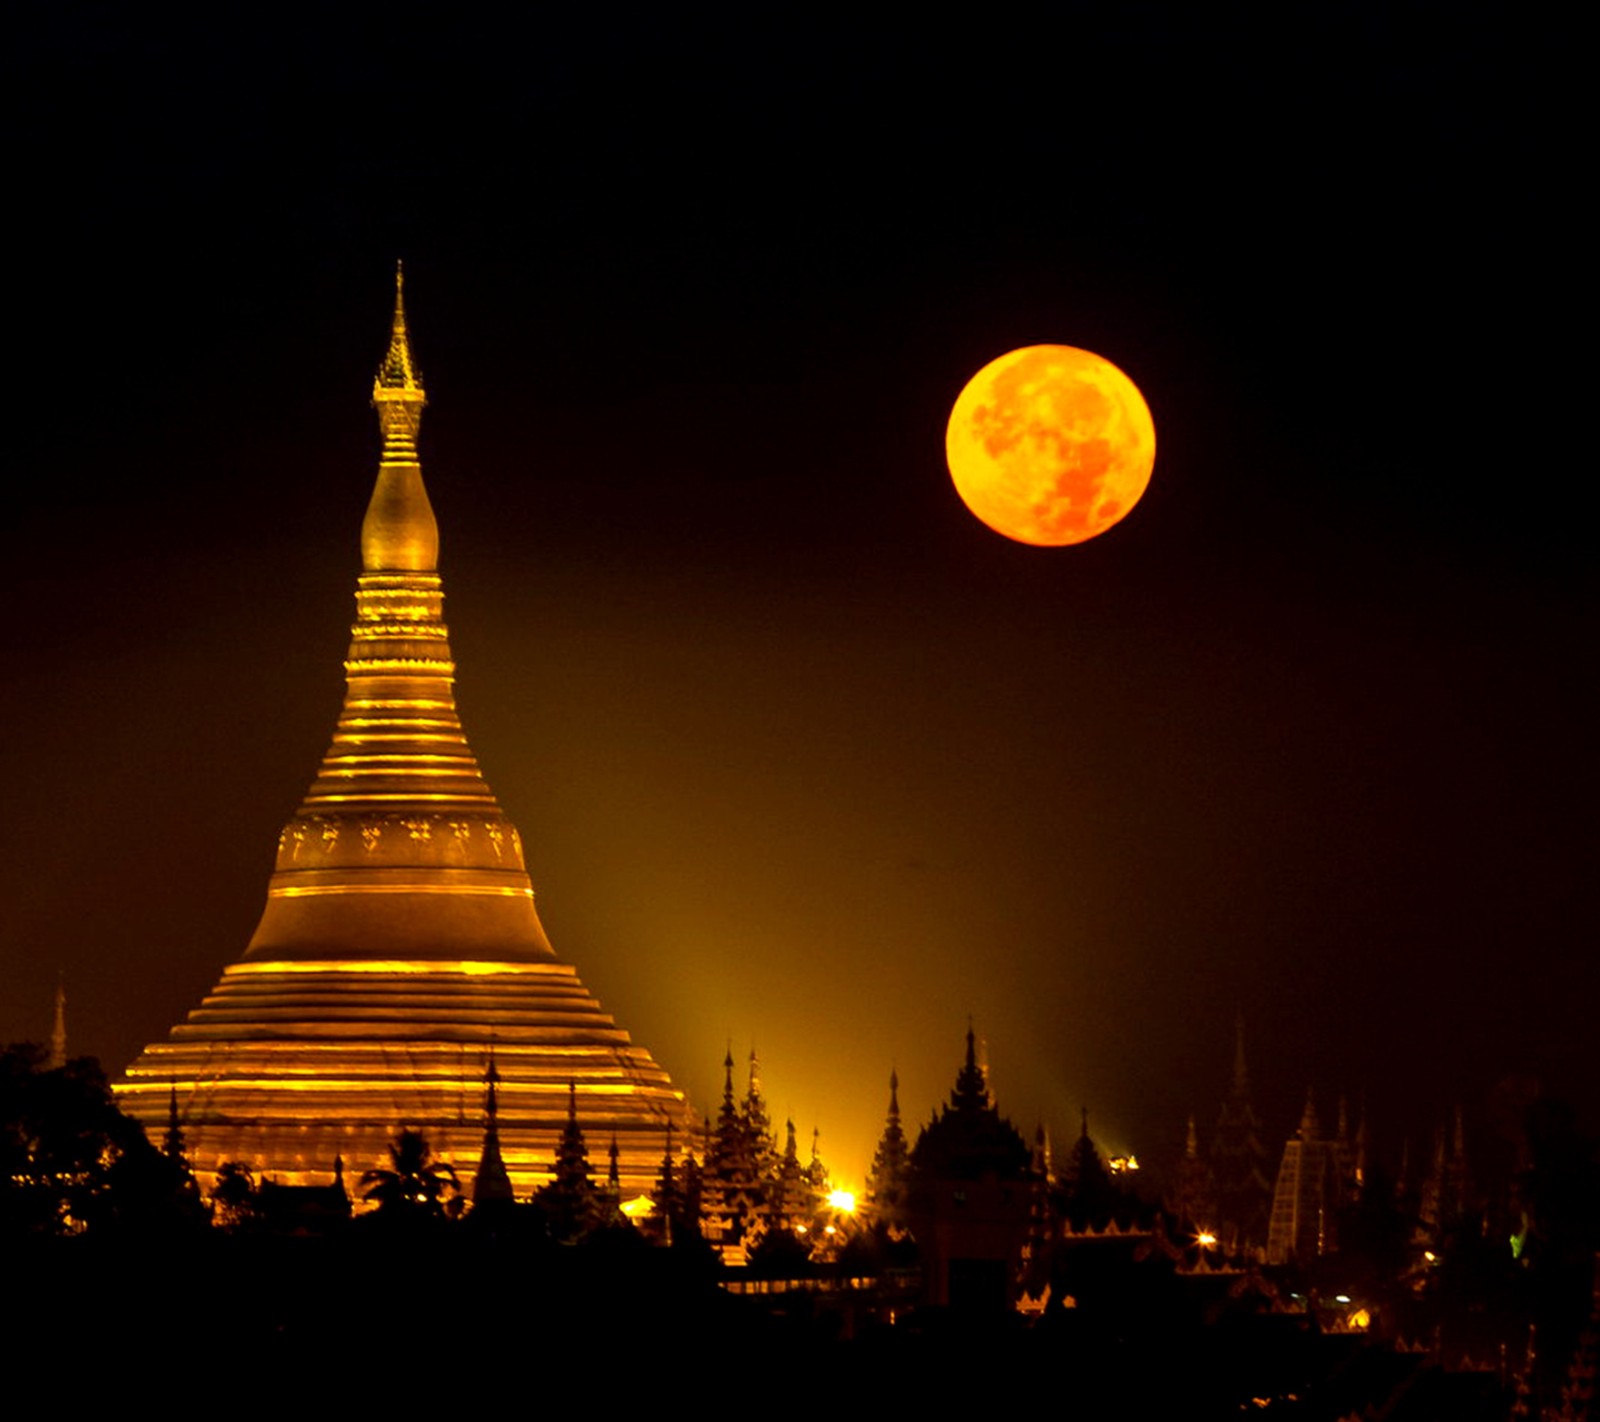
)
(1050, 445)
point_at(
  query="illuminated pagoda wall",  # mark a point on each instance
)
(400, 943)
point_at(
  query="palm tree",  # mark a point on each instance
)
(234, 1200)
(414, 1185)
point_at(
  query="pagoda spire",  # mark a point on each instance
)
(1310, 1128)
(400, 850)
(493, 1181)
(397, 393)
(886, 1181)
(399, 533)
(758, 1120)
(58, 1031)
(972, 1083)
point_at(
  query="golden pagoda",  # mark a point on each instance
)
(400, 946)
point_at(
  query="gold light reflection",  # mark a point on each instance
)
(402, 966)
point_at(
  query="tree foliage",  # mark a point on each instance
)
(71, 1163)
(415, 1187)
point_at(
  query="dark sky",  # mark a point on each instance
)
(804, 755)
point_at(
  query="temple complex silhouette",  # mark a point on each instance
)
(400, 948)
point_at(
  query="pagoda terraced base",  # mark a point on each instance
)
(281, 1058)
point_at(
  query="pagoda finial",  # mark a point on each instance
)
(398, 374)
(493, 1180)
(972, 1083)
(1310, 1128)
(491, 1093)
(400, 533)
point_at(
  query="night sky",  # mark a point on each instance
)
(804, 755)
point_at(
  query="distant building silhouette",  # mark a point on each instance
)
(1239, 1163)
(492, 1184)
(1192, 1198)
(971, 1196)
(1308, 1196)
(885, 1200)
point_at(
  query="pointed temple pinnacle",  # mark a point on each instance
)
(58, 1032)
(398, 375)
(399, 850)
(1310, 1128)
(399, 533)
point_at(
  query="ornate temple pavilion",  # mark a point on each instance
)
(400, 946)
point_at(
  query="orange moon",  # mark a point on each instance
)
(1050, 445)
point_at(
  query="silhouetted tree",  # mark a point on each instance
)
(415, 1186)
(235, 1199)
(71, 1163)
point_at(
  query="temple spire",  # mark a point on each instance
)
(399, 533)
(1310, 1129)
(493, 1180)
(399, 372)
(400, 850)
(972, 1083)
(58, 1031)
